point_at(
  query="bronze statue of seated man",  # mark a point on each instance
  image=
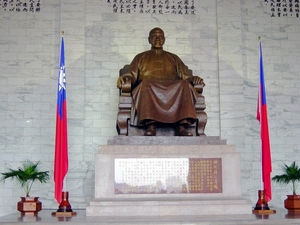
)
(164, 91)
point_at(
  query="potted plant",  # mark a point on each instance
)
(25, 176)
(291, 176)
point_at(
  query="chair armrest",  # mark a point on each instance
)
(199, 88)
(126, 89)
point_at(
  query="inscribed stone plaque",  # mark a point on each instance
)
(205, 175)
(168, 175)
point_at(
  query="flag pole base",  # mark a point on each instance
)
(65, 208)
(261, 206)
(270, 211)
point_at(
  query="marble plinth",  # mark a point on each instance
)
(169, 206)
(170, 140)
(228, 201)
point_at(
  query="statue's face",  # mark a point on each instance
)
(157, 38)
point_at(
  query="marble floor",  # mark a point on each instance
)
(44, 217)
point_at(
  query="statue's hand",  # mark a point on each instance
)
(198, 80)
(123, 79)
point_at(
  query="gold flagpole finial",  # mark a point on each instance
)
(62, 32)
(259, 37)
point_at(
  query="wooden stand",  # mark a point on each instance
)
(261, 205)
(29, 206)
(64, 209)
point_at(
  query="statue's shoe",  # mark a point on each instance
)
(150, 131)
(184, 132)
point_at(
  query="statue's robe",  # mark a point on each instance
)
(163, 91)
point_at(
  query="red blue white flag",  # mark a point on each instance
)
(262, 117)
(61, 138)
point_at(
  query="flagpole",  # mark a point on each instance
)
(259, 94)
(265, 194)
(61, 141)
(64, 189)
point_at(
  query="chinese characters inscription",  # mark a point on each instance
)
(180, 7)
(168, 175)
(283, 8)
(205, 175)
(20, 5)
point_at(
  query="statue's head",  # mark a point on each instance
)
(156, 38)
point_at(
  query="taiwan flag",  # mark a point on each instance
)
(61, 138)
(262, 117)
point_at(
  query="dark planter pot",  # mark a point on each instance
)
(29, 205)
(292, 203)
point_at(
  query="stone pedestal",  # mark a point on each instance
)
(225, 199)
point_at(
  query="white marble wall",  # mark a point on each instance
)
(219, 43)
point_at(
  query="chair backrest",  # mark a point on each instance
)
(124, 69)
